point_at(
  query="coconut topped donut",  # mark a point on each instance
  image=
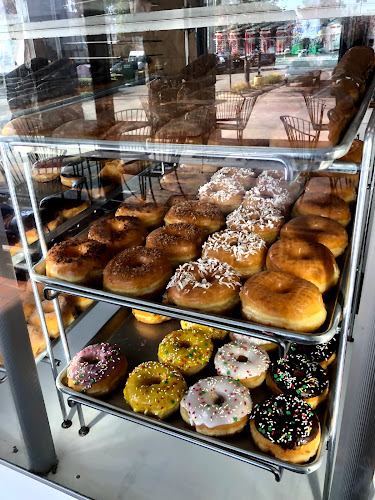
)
(245, 176)
(226, 193)
(263, 199)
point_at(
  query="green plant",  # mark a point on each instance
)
(273, 79)
(239, 87)
(84, 82)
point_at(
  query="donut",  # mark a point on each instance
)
(206, 216)
(80, 303)
(137, 272)
(180, 242)
(245, 176)
(339, 186)
(209, 331)
(286, 427)
(189, 351)
(262, 344)
(217, 406)
(47, 170)
(308, 260)
(151, 214)
(244, 362)
(118, 233)
(155, 389)
(266, 223)
(323, 354)
(317, 229)
(323, 204)
(66, 207)
(28, 304)
(262, 200)
(73, 172)
(76, 261)
(273, 185)
(149, 318)
(344, 175)
(97, 370)
(295, 374)
(100, 188)
(204, 285)
(245, 252)
(183, 181)
(67, 313)
(110, 171)
(227, 194)
(132, 167)
(280, 299)
(37, 341)
(175, 199)
(50, 221)
(205, 169)
(355, 152)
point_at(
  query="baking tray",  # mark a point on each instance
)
(56, 341)
(294, 158)
(140, 342)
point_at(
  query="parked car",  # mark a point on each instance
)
(299, 68)
(265, 60)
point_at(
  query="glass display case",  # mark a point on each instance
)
(199, 166)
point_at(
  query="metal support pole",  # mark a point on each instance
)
(21, 370)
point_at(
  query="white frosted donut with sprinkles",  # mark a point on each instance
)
(217, 406)
(244, 362)
(263, 344)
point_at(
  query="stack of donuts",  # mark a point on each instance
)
(215, 253)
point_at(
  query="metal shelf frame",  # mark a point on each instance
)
(350, 277)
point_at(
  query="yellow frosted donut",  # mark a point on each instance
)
(209, 331)
(155, 389)
(187, 350)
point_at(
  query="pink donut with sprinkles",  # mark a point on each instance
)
(97, 370)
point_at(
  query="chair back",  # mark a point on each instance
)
(230, 108)
(315, 108)
(132, 115)
(246, 111)
(301, 133)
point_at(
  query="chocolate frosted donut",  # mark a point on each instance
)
(286, 427)
(295, 374)
(323, 354)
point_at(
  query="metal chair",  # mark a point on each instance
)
(242, 115)
(301, 133)
(315, 108)
(230, 107)
(132, 115)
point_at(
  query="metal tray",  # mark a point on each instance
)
(294, 158)
(140, 342)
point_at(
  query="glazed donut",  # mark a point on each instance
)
(206, 216)
(317, 229)
(189, 351)
(355, 152)
(66, 207)
(217, 406)
(97, 370)
(28, 304)
(47, 170)
(204, 285)
(244, 362)
(183, 181)
(227, 194)
(262, 344)
(262, 200)
(245, 176)
(132, 168)
(50, 221)
(311, 261)
(296, 375)
(286, 427)
(72, 173)
(175, 199)
(209, 331)
(80, 303)
(149, 318)
(118, 233)
(245, 252)
(76, 261)
(101, 188)
(266, 223)
(155, 389)
(180, 242)
(110, 171)
(67, 313)
(283, 300)
(339, 186)
(151, 214)
(137, 272)
(323, 354)
(38, 344)
(323, 204)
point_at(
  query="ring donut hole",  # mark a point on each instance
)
(242, 359)
(219, 400)
(152, 380)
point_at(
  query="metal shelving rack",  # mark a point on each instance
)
(348, 289)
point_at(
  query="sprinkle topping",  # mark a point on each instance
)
(226, 360)
(240, 245)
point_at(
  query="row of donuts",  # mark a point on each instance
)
(220, 405)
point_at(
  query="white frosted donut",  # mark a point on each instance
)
(244, 362)
(263, 344)
(217, 406)
(226, 193)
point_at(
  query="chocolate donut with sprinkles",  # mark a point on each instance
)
(286, 427)
(97, 370)
(295, 374)
(217, 406)
(323, 354)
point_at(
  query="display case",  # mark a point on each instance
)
(236, 119)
